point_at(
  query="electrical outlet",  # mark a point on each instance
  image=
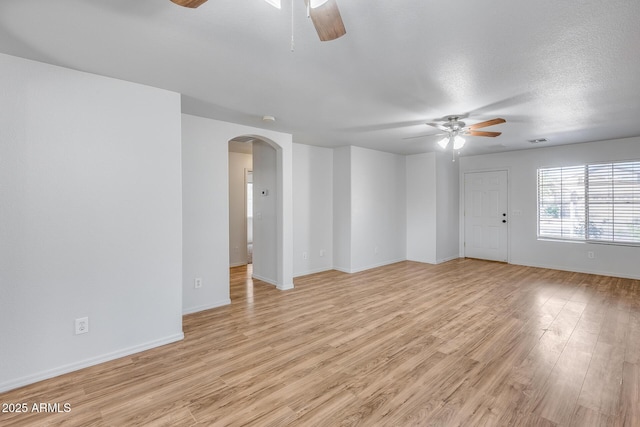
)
(197, 282)
(376, 250)
(82, 325)
(305, 255)
(591, 255)
(322, 252)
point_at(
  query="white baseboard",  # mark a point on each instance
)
(264, 279)
(285, 287)
(423, 261)
(198, 308)
(50, 373)
(451, 258)
(368, 267)
(314, 271)
(575, 270)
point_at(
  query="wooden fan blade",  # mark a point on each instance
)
(327, 20)
(483, 133)
(189, 3)
(487, 123)
(439, 126)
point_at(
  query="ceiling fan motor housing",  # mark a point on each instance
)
(454, 123)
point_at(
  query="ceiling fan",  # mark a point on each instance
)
(324, 14)
(454, 129)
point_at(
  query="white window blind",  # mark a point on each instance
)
(595, 202)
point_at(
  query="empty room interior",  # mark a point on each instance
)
(319, 212)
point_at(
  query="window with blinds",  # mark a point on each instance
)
(596, 202)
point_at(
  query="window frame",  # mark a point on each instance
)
(586, 238)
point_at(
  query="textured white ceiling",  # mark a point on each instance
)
(568, 70)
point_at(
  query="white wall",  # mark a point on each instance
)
(90, 219)
(265, 196)
(447, 207)
(421, 208)
(206, 213)
(525, 249)
(432, 207)
(378, 208)
(238, 164)
(313, 209)
(205, 226)
(342, 209)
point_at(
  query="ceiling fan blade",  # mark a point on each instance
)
(487, 123)
(189, 3)
(483, 133)
(327, 20)
(439, 126)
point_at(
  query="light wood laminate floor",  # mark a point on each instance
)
(466, 342)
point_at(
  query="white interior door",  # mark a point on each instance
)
(485, 215)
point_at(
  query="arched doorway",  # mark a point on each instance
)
(205, 210)
(272, 198)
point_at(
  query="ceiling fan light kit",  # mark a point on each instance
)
(454, 129)
(458, 142)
